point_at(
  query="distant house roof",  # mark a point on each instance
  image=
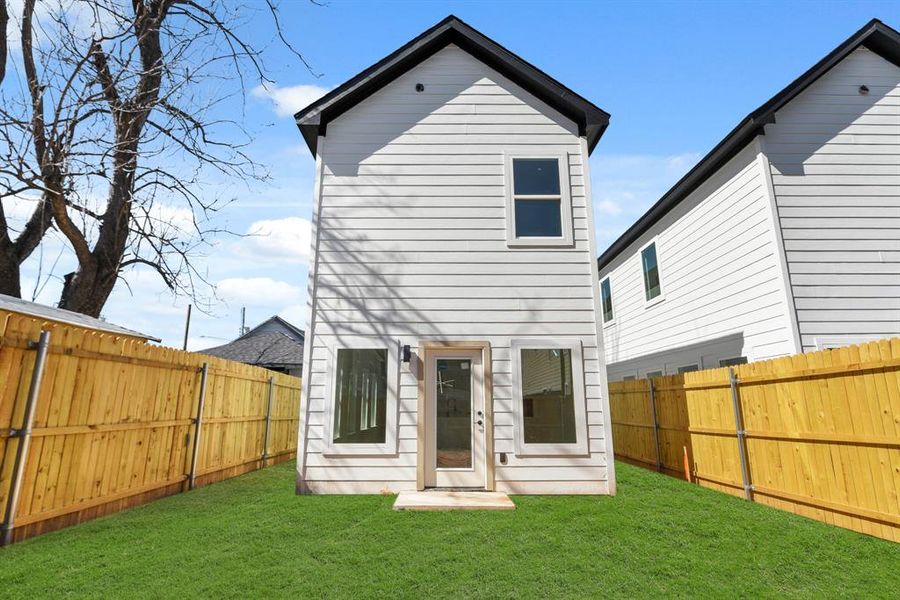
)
(274, 343)
(60, 315)
(875, 35)
(313, 120)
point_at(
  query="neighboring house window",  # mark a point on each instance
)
(362, 399)
(548, 392)
(606, 300)
(653, 374)
(539, 210)
(730, 362)
(688, 369)
(650, 266)
(628, 378)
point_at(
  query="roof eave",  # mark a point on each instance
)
(875, 35)
(590, 119)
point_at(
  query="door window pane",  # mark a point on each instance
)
(606, 300)
(536, 176)
(453, 413)
(652, 287)
(538, 218)
(548, 400)
(360, 399)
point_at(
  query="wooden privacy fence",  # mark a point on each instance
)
(817, 434)
(92, 423)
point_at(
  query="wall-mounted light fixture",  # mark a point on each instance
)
(863, 90)
(420, 87)
(406, 354)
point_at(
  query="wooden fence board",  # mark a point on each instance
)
(822, 432)
(114, 421)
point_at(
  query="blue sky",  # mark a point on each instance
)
(676, 77)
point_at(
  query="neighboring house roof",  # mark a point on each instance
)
(276, 323)
(876, 36)
(313, 120)
(60, 315)
(269, 349)
(272, 343)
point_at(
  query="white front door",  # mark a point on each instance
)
(454, 417)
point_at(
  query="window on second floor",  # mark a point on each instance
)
(650, 267)
(538, 205)
(606, 300)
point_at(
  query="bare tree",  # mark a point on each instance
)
(119, 122)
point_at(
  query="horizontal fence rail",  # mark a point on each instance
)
(817, 434)
(107, 422)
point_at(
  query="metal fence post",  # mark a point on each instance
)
(741, 434)
(198, 422)
(265, 454)
(24, 435)
(655, 423)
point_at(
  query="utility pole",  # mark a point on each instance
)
(187, 326)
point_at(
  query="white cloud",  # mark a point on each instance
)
(283, 240)
(294, 314)
(608, 207)
(628, 184)
(289, 99)
(259, 291)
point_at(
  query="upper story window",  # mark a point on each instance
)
(650, 267)
(606, 300)
(539, 210)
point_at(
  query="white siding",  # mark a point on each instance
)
(721, 279)
(412, 244)
(835, 161)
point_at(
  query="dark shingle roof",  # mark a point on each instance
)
(267, 349)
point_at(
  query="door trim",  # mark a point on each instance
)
(426, 349)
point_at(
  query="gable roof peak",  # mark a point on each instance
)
(313, 120)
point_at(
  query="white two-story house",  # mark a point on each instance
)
(453, 336)
(785, 238)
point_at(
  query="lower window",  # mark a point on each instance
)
(360, 396)
(549, 397)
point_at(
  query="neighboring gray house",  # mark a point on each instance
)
(785, 238)
(453, 338)
(274, 344)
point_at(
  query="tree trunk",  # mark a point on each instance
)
(10, 283)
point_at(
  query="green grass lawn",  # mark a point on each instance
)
(252, 537)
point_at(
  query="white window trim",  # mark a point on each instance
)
(659, 270)
(611, 299)
(580, 447)
(390, 445)
(565, 183)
